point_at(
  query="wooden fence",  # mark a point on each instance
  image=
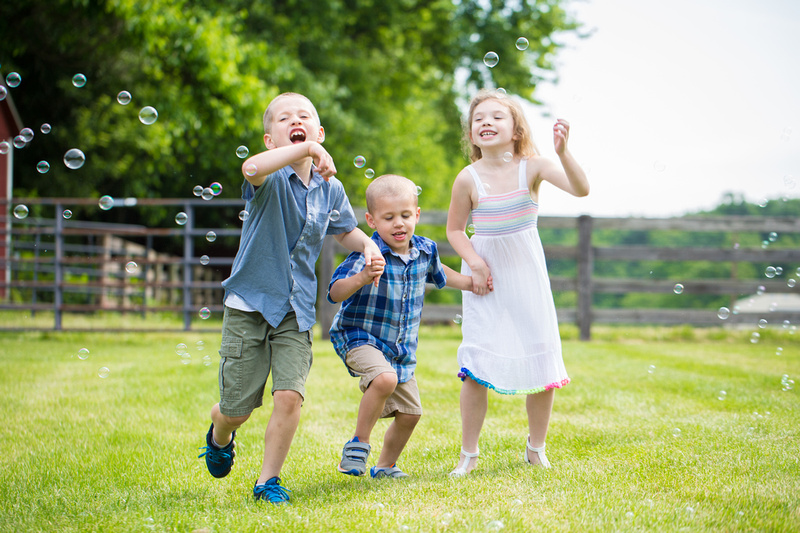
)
(48, 260)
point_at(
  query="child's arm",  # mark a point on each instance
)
(460, 206)
(258, 167)
(344, 288)
(356, 240)
(570, 177)
(459, 281)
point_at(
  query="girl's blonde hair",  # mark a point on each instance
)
(523, 145)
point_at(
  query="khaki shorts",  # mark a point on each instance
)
(252, 349)
(368, 362)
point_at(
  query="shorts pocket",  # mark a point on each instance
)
(230, 369)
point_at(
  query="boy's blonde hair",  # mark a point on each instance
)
(523, 145)
(390, 185)
(268, 112)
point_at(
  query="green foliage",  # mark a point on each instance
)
(383, 74)
(119, 453)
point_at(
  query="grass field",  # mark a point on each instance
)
(639, 441)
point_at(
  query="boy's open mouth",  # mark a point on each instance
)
(297, 136)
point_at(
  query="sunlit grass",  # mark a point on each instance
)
(639, 440)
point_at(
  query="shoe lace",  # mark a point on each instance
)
(271, 492)
(214, 455)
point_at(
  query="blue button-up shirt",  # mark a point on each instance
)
(387, 316)
(273, 271)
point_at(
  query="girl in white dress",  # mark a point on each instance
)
(510, 333)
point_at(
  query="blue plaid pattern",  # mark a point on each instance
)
(387, 316)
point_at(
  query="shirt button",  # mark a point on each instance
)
(291, 298)
(302, 238)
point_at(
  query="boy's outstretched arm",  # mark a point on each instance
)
(459, 281)
(356, 240)
(256, 168)
(344, 288)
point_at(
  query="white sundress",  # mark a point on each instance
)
(510, 336)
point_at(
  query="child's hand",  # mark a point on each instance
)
(322, 160)
(374, 270)
(481, 279)
(560, 135)
(373, 254)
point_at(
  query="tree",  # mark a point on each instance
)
(386, 75)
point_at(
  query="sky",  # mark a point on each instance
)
(674, 104)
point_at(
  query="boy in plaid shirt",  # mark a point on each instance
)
(376, 329)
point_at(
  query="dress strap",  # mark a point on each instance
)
(523, 174)
(477, 180)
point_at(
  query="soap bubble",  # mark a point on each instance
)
(181, 218)
(186, 358)
(204, 259)
(106, 202)
(491, 59)
(522, 43)
(471, 228)
(13, 79)
(369, 173)
(27, 134)
(778, 270)
(250, 169)
(19, 142)
(770, 272)
(495, 525)
(3, 92)
(74, 159)
(360, 161)
(181, 348)
(791, 282)
(651, 369)
(205, 313)
(5, 147)
(242, 152)
(755, 337)
(207, 360)
(723, 313)
(418, 190)
(243, 215)
(21, 211)
(148, 115)
(762, 323)
(216, 188)
(200, 345)
(500, 92)
(722, 395)
(131, 267)
(760, 290)
(676, 432)
(678, 288)
(124, 97)
(508, 157)
(659, 166)
(207, 194)
(78, 80)
(83, 354)
(45, 128)
(43, 167)
(773, 236)
(103, 372)
(211, 236)
(458, 319)
(779, 350)
(334, 215)
(447, 519)
(67, 214)
(198, 190)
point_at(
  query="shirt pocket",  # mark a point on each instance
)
(230, 368)
(316, 226)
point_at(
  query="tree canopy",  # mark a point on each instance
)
(387, 77)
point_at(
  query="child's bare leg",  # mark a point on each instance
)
(396, 438)
(225, 425)
(474, 403)
(372, 403)
(539, 407)
(281, 428)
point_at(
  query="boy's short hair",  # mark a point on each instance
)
(389, 185)
(268, 111)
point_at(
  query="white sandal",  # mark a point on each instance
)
(461, 469)
(539, 452)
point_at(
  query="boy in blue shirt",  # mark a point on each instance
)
(375, 331)
(293, 201)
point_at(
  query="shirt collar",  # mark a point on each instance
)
(316, 178)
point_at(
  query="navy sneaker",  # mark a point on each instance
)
(271, 491)
(354, 458)
(218, 460)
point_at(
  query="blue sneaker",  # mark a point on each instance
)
(271, 491)
(390, 471)
(218, 460)
(354, 458)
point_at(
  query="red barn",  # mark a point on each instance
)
(10, 126)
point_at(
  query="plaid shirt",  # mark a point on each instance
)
(387, 316)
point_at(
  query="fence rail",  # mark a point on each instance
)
(72, 266)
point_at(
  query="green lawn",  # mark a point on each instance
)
(639, 440)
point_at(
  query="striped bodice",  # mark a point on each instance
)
(505, 213)
(502, 214)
